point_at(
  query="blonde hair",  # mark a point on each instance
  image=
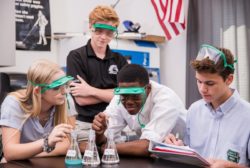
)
(104, 13)
(40, 72)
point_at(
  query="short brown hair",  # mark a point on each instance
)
(104, 13)
(208, 66)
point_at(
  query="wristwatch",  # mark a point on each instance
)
(46, 147)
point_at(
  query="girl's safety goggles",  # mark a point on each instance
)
(208, 51)
(55, 84)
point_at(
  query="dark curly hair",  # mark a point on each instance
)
(133, 73)
(208, 66)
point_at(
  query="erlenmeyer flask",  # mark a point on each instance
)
(91, 156)
(110, 155)
(73, 157)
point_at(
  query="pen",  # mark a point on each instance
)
(177, 136)
(107, 121)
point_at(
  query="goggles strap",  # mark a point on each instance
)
(105, 26)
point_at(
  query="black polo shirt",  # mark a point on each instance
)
(99, 73)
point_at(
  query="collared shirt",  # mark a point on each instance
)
(160, 113)
(222, 133)
(99, 73)
(31, 130)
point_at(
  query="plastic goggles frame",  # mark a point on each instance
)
(59, 82)
(214, 54)
(129, 90)
(104, 26)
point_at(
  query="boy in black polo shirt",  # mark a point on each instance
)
(96, 66)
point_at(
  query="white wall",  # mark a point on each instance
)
(70, 16)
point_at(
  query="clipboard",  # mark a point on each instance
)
(182, 154)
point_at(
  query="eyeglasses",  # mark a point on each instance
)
(213, 54)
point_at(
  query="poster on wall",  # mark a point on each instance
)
(33, 28)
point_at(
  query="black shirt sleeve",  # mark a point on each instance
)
(76, 64)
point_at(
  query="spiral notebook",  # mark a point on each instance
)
(182, 154)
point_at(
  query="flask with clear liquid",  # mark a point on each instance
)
(73, 157)
(91, 155)
(110, 155)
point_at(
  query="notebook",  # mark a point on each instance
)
(182, 154)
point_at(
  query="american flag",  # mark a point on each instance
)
(171, 16)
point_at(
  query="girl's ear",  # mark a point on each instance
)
(37, 89)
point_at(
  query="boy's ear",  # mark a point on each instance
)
(148, 88)
(229, 79)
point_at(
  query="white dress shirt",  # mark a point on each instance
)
(159, 114)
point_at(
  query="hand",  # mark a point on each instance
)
(100, 123)
(218, 163)
(171, 139)
(59, 133)
(81, 89)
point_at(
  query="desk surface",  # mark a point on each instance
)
(125, 162)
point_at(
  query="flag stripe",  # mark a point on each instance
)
(168, 36)
(178, 11)
(171, 16)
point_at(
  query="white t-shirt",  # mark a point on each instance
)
(159, 115)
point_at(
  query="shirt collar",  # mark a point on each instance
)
(91, 53)
(228, 104)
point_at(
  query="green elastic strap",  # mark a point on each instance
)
(129, 90)
(56, 83)
(104, 26)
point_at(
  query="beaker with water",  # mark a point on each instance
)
(73, 157)
(110, 155)
(91, 155)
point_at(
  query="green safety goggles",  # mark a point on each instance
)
(208, 51)
(104, 26)
(133, 91)
(129, 90)
(56, 83)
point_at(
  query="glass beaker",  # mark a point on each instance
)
(91, 155)
(73, 157)
(110, 155)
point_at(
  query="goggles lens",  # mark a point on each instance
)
(132, 93)
(213, 54)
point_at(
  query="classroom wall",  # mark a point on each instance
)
(71, 16)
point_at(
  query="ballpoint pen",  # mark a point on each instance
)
(177, 136)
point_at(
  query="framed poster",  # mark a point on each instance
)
(33, 28)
